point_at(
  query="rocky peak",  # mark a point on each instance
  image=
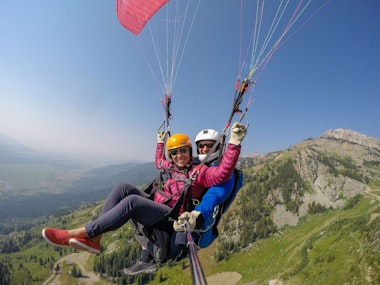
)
(352, 136)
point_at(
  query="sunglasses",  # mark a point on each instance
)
(208, 145)
(182, 150)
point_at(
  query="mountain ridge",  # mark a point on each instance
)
(328, 170)
(8, 144)
(343, 142)
(352, 136)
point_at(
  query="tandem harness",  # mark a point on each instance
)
(185, 198)
(156, 238)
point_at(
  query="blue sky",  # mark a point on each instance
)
(73, 81)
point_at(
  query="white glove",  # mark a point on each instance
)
(190, 218)
(161, 137)
(238, 132)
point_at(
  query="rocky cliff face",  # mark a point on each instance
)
(337, 166)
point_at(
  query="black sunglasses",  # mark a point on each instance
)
(202, 145)
(182, 150)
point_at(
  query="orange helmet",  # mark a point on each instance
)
(177, 140)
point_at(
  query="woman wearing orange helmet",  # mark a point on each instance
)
(126, 202)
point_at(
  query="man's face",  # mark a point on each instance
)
(205, 146)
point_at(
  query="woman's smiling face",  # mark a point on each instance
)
(181, 156)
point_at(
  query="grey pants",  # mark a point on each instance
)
(123, 203)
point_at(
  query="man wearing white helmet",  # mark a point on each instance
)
(204, 213)
(205, 140)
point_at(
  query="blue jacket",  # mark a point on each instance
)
(214, 196)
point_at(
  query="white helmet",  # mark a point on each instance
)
(207, 135)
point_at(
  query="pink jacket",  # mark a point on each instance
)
(207, 176)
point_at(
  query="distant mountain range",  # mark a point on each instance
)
(33, 184)
(9, 145)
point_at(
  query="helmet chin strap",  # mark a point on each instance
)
(209, 157)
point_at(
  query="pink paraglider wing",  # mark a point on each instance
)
(134, 14)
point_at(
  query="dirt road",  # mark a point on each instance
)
(89, 277)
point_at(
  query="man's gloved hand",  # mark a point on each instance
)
(238, 132)
(161, 137)
(189, 217)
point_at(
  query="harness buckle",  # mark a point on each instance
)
(194, 174)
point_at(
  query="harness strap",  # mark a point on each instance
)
(194, 174)
(166, 221)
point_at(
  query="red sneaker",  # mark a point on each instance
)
(85, 244)
(56, 236)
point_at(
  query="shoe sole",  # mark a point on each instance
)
(82, 246)
(49, 241)
(146, 270)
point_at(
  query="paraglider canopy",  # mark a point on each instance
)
(134, 14)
